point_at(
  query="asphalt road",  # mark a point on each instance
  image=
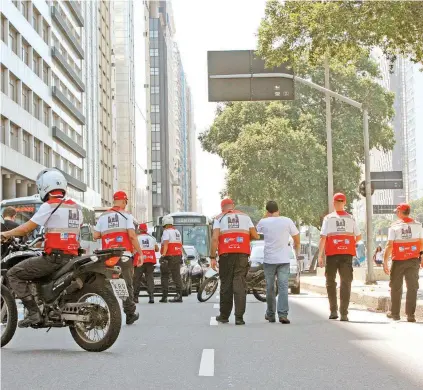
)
(178, 346)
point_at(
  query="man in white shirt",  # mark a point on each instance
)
(277, 231)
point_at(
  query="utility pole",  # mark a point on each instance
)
(329, 136)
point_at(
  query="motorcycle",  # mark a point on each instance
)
(81, 295)
(256, 284)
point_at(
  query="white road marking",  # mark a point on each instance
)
(207, 363)
(213, 321)
(216, 306)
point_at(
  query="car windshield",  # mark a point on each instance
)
(196, 236)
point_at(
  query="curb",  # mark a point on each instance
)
(375, 303)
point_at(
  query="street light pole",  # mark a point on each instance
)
(329, 138)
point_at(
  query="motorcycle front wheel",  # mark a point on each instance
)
(9, 315)
(106, 319)
(208, 288)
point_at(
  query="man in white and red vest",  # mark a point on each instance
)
(405, 241)
(149, 248)
(116, 228)
(337, 239)
(232, 231)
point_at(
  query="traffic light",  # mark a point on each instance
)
(362, 188)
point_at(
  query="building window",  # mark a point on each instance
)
(13, 39)
(3, 131)
(57, 160)
(36, 106)
(14, 137)
(45, 73)
(35, 63)
(35, 16)
(64, 165)
(154, 34)
(45, 32)
(155, 108)
(156, 165)
(154, 71)
(47, 151)
(3, 79)
(155, 89)
(154, 52)
(46, 115)
(25, 52)
(71, 170)
(26, 144)
(25, 97)
(155, 146)
(37, 150)
(155, 127)
(13, 87)
(25, 9)
(159, 188)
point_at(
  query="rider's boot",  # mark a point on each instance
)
(151, 298)
(33, 316)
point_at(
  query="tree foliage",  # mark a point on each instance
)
(343, 30)
(417, 209)
(276, 150)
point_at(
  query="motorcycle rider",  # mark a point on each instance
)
(149, 248)
(116, 228)
(171, 251)
(232, 231)
(61, 219)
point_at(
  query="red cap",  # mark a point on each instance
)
(120, 195)
(143, 227)
(339, 197)
(403, 207)
(225, 202)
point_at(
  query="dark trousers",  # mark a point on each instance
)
(410, 270)
(31, 269)
(171, 264)
(343, 265)
(127, 268)
(146, 269)
(233, 268)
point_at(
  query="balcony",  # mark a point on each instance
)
(67, 141)
(68, 104)
(75, 7)
(58, 18)
(68, 69)
(75, 183)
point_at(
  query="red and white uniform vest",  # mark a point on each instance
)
(147, 244)
(406, 236)
(174, 247)
(113, 226)
(340, 230)
(62, 229)
(234, 232)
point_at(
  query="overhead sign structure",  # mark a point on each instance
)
(384, 208)
(239, 75)
(387, 180)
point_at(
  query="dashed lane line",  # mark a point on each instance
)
(207, 363)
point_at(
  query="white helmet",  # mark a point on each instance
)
(167, 220)
(49, 180)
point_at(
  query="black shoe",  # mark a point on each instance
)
(33, 316)
(151, 300)
(270, 319)
(222, 320)
(131, 318)
(393, 317)
(164, 299)
(344, 318)
(178, 298)
(411, 318)
(333, 315)
(239, 321)
(284, 320)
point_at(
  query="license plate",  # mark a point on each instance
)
(157, 282)
(119, 288)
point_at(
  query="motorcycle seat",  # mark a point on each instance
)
(68, 266)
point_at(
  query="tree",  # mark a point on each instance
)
(253, 212)
(417, 209)
(278, 150)
(342, 30)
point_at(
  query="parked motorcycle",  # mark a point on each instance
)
(80, 295)
(256, 284)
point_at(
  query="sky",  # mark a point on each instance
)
(203, 25)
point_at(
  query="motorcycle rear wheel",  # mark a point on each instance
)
(9, 313)
(209, 286)
(110, 312)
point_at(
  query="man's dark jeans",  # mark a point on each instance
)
(233, 268)
(127, 268)
(410, 270)
(343, 265)
(147, 269)
(171, 264)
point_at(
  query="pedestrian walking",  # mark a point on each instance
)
(232, 231)
(149, 248)
(338, 239)
(405, 241)
(116, 228)
(171, 259)
(378, 256)
(277, 232)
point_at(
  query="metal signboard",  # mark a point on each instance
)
(384, 208)
(239, 75)
(387, 180)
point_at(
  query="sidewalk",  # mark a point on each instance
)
(374, 297)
